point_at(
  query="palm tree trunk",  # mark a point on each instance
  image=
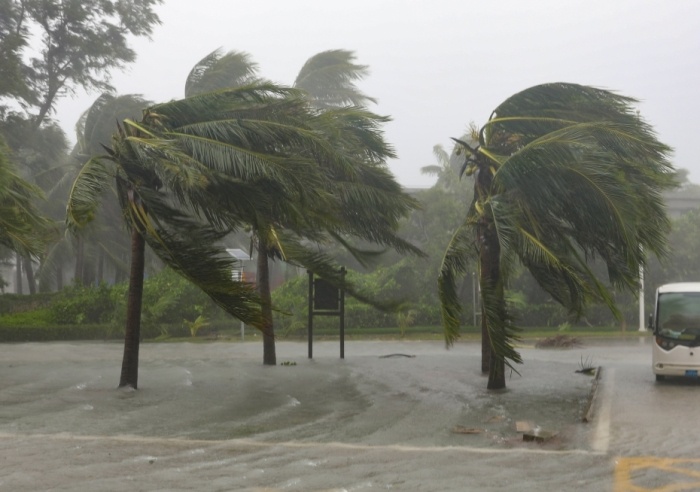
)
(29, 271)
(18, 273)
(100, 267)
(59, 277)
(130, 361)
(485, 346)
(79, 260)
(263, 279)
(489, 258)
(490, 281)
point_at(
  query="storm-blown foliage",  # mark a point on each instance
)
(255, 156)
(22, 227)
(564, 174)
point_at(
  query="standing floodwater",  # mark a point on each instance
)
(212, 417)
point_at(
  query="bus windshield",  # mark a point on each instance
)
(678, 315)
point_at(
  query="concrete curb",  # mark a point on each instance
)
(588, 414)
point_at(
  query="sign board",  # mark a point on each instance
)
(326, 296)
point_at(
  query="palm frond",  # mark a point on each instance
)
(220, 70)
(329, 79)
(190, 248)
(87, 189)
(325, 267)
(455, 263)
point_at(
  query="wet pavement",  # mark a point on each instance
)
(210, 416)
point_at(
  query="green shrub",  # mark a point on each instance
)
(15, 303)
(38, 317)
(78, 304)
(46, 333)
(168, 299)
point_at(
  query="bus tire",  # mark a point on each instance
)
(660, 377)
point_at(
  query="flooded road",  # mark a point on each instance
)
(211, 417)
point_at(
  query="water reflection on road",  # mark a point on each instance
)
(211, 417)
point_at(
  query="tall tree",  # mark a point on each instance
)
(188, 173)
(22, 227)
(13, 39)
(80, 44)
(448, 164)
(360, 198)
(563, 174)
(329, 80)
(76, 44)
(220, 70)
(34, 153)
(362, 203)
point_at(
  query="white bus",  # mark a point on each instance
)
(676, 327)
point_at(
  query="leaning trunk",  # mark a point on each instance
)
(18, 274)
(490, 282)
(485, 345)
(130, 361)
(79, 260)
(263, 279)
(489, 258)
(29, 271)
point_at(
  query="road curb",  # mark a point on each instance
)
(588, 414)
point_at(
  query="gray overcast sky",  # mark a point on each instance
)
(438, 65)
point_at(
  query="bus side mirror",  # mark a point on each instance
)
(651, 322)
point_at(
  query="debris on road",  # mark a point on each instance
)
(459, 429)
(539, 435)
(524, 426)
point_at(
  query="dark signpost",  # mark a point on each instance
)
(325, 299)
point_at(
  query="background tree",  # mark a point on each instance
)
(101, 245)
(77, 44)
(448, 165)
(80, 43)
(13, 40)
(329, 77)
(220, 70)
(34, 153)
(563, 173)
(360, 197)
(22, 227)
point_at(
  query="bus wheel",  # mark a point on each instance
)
(660, 377)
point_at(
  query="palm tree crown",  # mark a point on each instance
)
(564, 174)
(220, 70)
(329, 79)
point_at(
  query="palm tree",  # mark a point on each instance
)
(220, 70)
(563, 174)
(34, 152)
(328, 78)
(100, 246)
(448, 165)
(362, 202)
(22, 227)
(359, 198)
(188, 173)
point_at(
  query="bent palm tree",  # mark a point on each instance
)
(448, 165)
(355, 196)
(183, 177)
(220, 70)
(328, 78)
(22, 227)
(103, 240)
(563, 174)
